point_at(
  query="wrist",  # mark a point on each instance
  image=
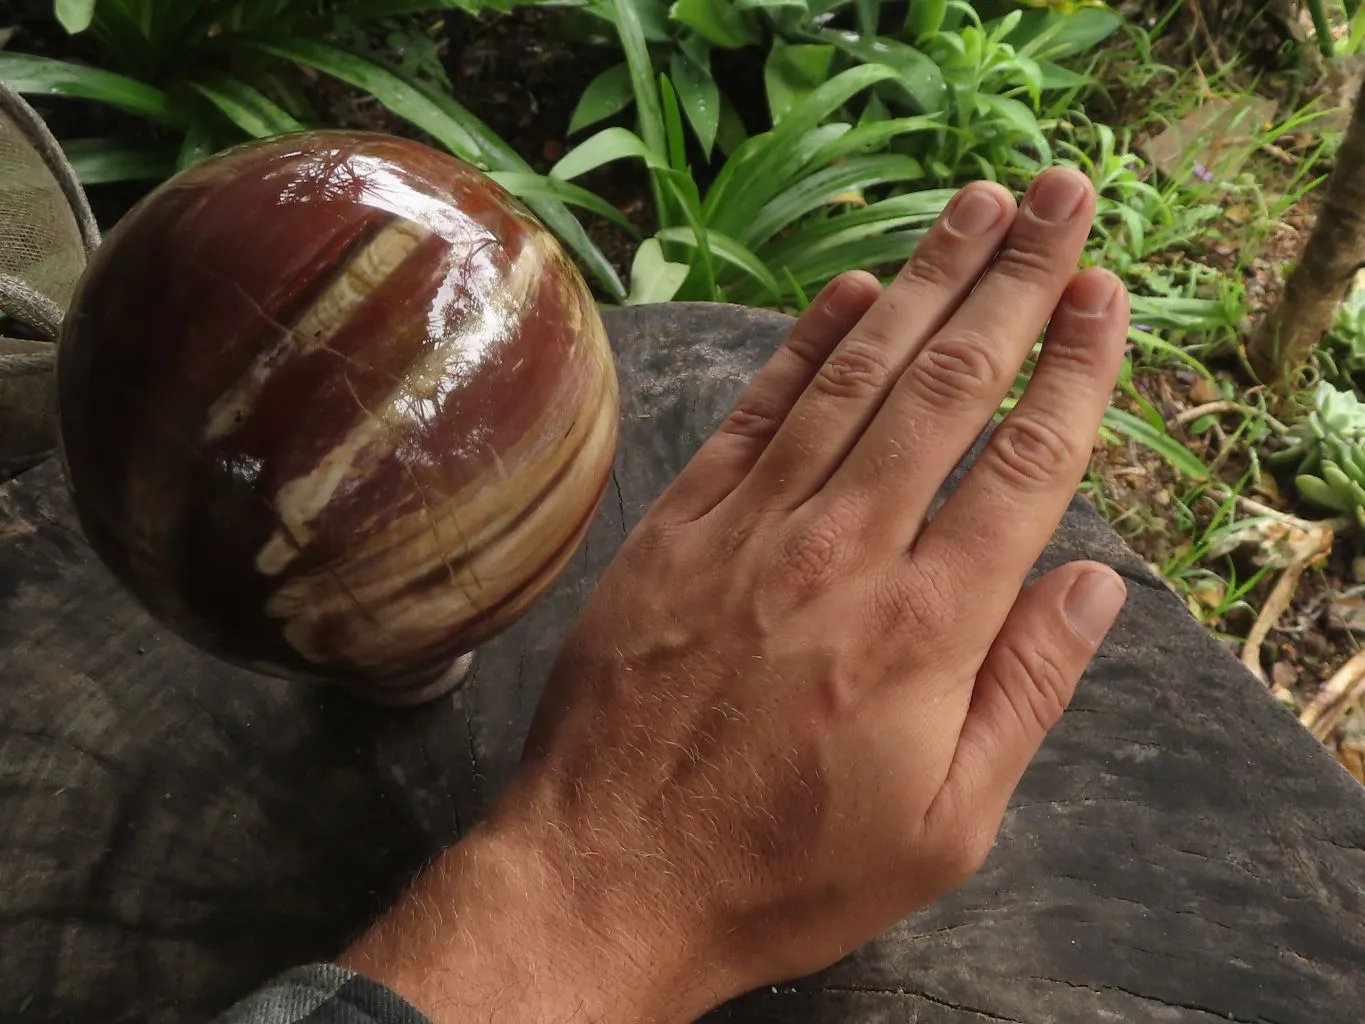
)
(503, 926)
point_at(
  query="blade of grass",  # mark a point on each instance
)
(1160, 442)
(101, 161)
(529, 185)
(27, 74)
(898, 211)
(813, 270)
(728, 250)
(251, 111)
(822, 187)
(769, 167)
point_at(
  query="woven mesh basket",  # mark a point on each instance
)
(47, 233)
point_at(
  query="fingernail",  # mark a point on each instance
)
(1092, 293)
(975, 212)
(1092, 604)
(845, 296)
(837, 299)
(1056, 195)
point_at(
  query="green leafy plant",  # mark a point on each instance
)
(791, 208)
(1212, 594)
(1328, 446)
(207, 74)
(982, 79)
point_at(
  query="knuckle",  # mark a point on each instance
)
(1073, 349)
(856, 369)
(813, 554)
(1034, 680)
(1029, 452)
(931, 266)
(1028, 256)
(918, 604)
(807, 341)
(751, 419)
(957, 368)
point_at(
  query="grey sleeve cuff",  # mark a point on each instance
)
(322, 994)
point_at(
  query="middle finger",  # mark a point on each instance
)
(955, 383)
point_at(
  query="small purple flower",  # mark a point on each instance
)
(1202, 173)
(1144, 327)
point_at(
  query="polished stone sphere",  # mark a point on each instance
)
(335, 407)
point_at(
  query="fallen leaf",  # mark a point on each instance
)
(1276, 543)
(1203, 391)
(1209, 593)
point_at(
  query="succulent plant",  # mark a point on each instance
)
(1329, 446)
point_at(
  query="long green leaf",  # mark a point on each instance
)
(607, 146)
(606, 95)
(700, 98)
(825, 186)
(466, 136)
(729, 250)
(101, 161)
(919, 76)
(686, 202)
(874, 135)
(914, 208)
(641, 74)
(526, 185)
(75, 15)
(1159, 441)
(248, 109)
(32, 75)
(813, 270)
(772, 157)
(625, 14)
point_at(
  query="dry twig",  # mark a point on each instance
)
(1338, 694)
(1190, 415)
(1316, 543)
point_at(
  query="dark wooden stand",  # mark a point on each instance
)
(174, 831)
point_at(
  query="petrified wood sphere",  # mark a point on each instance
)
(336, 408)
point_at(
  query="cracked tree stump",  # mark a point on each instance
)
(174, 831)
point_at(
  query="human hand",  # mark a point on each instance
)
(796, 706)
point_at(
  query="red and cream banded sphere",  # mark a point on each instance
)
(335, 407)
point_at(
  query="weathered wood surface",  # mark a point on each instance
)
(173, 831)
